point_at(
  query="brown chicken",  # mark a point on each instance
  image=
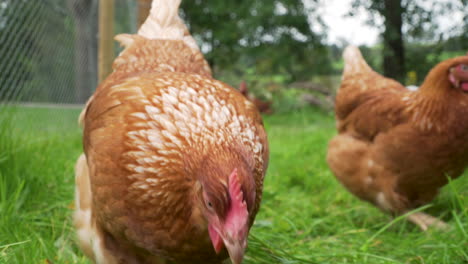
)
(174, 161)
(262, 105)
(395, 148)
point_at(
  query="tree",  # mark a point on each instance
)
(393, 53)
(464, 31)
(272, 36)
(410, 22)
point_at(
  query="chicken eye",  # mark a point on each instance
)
(464, 67)
(209, 205)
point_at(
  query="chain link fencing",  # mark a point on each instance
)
(48, 51)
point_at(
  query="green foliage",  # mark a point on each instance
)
(420, 17)
(250, 40)
(421, 58)
(420, 23)
(306, 215)
(275, 37)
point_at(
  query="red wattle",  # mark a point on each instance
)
(215, 239)
(464, 86)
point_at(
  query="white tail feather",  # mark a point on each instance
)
(164, 22)
(354, 62)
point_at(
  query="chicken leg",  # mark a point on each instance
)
(424, 221)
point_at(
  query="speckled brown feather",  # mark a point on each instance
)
(135, 168)
(148, 130)
(395, 147)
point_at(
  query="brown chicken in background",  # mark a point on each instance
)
(395, 148)
(262, 105)
(174, 161)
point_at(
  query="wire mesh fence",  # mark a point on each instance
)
(49, 51)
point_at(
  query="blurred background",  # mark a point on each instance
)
(284, 54)
(286, 51)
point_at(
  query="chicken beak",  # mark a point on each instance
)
(235, 245)
(236, 250)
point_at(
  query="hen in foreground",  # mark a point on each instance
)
(396, 148)
(174, 161)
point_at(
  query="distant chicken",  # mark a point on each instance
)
(396, 148)
(174, 161)
(262, 105)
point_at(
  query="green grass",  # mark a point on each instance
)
(306, 215)
(38, 147)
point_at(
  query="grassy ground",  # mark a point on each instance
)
(306, 216)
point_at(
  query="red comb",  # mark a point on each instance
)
(237, 214)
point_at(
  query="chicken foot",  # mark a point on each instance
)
(424, 221)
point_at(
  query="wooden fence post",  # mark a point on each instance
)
(144, 7)
(106, 38)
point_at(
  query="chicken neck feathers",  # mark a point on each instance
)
(368, 103)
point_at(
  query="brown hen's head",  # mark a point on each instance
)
(451, 74)
(458, 76)
(226, 210)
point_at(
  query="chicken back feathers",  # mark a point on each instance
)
(395, 147)
(161, 139)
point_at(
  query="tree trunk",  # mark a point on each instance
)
(394, 52)
(144, 7)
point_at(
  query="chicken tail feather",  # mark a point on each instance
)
(164, 22)
(354, 62)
